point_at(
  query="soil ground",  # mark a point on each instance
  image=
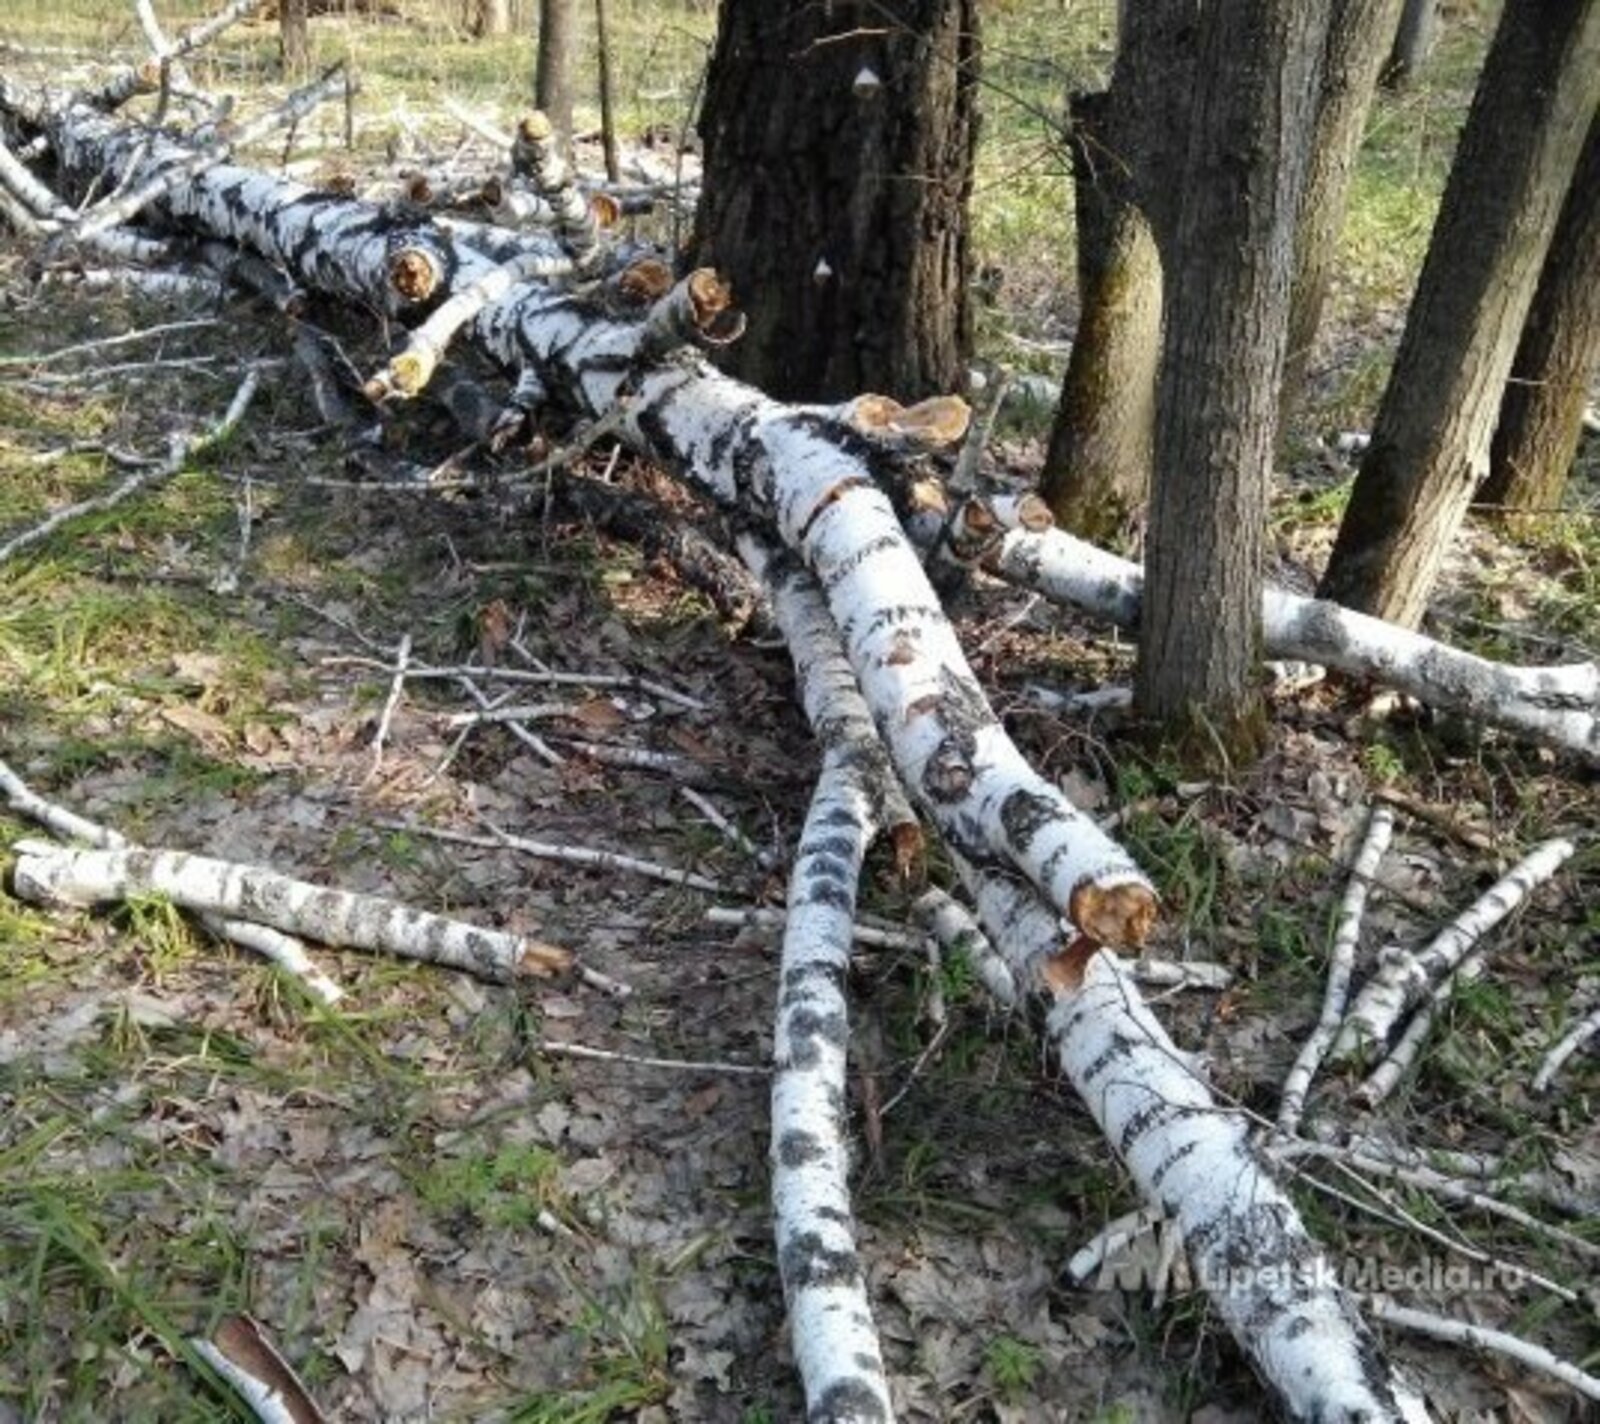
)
(437, 1215)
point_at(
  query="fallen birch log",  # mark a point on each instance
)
(830, 1320)
(284, 950)
(1196, 1162)
(809, 474)
(1193, 1159)
(49, 874)
(1558, 705)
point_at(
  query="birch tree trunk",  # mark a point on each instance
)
(1535, 99)
(839, 144)
(1226, 260)
(1558, 705)
(1191, 1159)
(809, 474)
(1541, 413)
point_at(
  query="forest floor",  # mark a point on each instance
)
(437, 1215)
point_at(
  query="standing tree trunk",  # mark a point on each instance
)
(608, 114)
(1227, 256)
(1413, 42)
(1097, 469)
(1541, 414)
(491, 18)
(552, 80)
(839, 144)
(1358, 39)
(1430, 443)
(294, 45)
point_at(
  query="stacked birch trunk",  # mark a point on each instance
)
(843, 531)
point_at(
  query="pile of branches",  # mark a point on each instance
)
(847, 522)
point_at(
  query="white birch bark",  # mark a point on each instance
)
(1193, 1160)
(1404, 979)
(1196, 1163)
(1559, 705)
(52, 874)
(1569, 1044)
(830, 1321)
(949, 922)
(1482, 1337)
(828, 692)
(243, 1355)
(1341, 961)
(811, 475)
(813, 479)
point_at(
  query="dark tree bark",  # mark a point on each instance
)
(608, 116)
(1097, 469)
(1430, 444)
(1357, 40)
(1227, 255)
(1414, 40)
(294, 45)
(552, 80)
(839, 145)
(1541, 414)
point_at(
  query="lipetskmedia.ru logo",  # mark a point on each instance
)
(1157, 1262)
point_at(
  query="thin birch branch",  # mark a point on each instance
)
(397, 687)
(58, 820)
(1341, 961)
(556, 1049)
(1570, 1043)
(1460, 1193)
(160, 46)
(735, 837)
(537, 745)
(951, 924)
(169, 175)
(566, 854)
(1404, 979)
(287, 951)
(180, 450)
(1494, 1342)
(540, 677)
(770, 920)
(50, 874)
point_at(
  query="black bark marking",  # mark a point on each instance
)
(799, 1149)
(806, 1262)
(1024, 813)
(849, 1401)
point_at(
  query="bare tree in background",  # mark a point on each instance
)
(491, 18)
(294, 45)
(1414, 39)
(1358, 39)
(552, 81)
(1541, 414)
